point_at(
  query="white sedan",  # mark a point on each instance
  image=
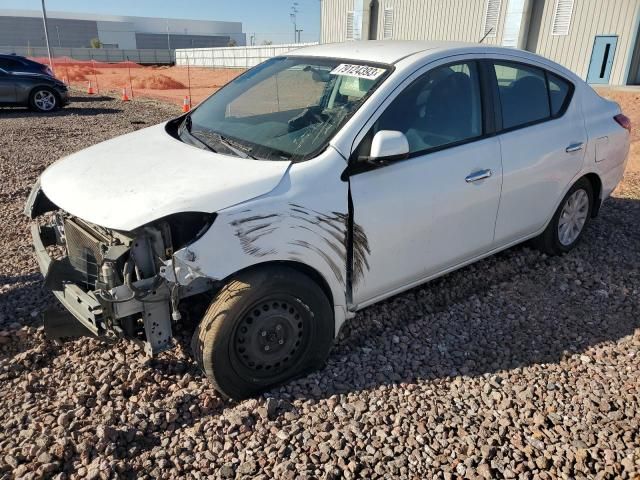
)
(314, 185)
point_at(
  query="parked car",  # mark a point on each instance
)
(34, 90)
(16, 63)
(314, 185)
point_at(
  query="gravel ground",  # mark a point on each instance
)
(520, 366)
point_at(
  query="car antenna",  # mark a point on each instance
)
(485, 35)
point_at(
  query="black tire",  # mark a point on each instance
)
(549, 241)
(38, 106)
(264, 327)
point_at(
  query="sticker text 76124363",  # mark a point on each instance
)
(359, 71)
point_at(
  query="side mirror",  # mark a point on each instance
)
(387, 146)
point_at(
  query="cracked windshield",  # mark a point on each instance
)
(285, 109)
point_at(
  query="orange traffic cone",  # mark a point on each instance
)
(90, 89)
(125, 97)
(186, 104)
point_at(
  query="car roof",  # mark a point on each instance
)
(381, 51)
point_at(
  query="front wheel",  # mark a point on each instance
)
(569, 222)
(263, 328)
(43, 99)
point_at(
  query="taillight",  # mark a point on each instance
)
(623, 121)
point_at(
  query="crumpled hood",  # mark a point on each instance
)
(133, 179)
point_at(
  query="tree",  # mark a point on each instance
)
(95, 43)
(232, 43)
(267, 42)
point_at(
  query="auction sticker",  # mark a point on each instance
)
(359, 71)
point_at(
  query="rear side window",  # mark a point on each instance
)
(523, 94)
(559, 93)
(9, 64)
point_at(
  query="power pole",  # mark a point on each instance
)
(168, 41)
(294, 18)
(46, 34)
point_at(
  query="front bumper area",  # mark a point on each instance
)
(98, 317)
(84, 306)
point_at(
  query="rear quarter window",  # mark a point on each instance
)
(559, 93)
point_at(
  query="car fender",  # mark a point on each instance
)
(304, 220)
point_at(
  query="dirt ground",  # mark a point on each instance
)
(629, 101)
(160, 83)
(518, 366)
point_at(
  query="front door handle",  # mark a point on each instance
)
(574, 147)
(480, 175)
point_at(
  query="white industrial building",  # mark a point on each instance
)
(24, 28)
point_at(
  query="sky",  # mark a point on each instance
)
(268, 19)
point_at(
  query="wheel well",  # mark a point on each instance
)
(300, 267)
(596, 185)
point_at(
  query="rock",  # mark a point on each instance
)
(247, 468)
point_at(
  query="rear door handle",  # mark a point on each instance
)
(480, 175)
(574, 147)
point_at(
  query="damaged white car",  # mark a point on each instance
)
(316, 184)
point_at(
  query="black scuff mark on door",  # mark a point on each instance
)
(331, 229)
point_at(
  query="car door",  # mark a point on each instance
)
(436, 209)
(7, 87)
(542, 142)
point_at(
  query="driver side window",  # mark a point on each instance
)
(442, 107)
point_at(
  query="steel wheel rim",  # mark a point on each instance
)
(271, 336)
(573, 217)
(44, 100)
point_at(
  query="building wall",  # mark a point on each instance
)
(333, 20)
(121, 34)
(29, 31)
(160, 40)
(24, 28)
(461, 20)
(590, 18)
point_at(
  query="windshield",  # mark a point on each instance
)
(287, 108)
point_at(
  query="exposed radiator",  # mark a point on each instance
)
(85, 251)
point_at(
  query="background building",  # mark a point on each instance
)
(24, 28)
(597, 39)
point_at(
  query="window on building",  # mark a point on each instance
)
(523, 94)
(350, 25)
(441, 108)
(387, 24)
(491, 17)
(562, 17)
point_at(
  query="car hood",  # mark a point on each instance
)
(131, 180)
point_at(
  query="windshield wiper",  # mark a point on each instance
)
(233, 146)
(186, 125)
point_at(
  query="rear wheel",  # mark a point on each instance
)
(264, 327)
(570, 220)
(43, 99)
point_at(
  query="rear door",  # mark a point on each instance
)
(543, 140)
(418, 217)
(7, 87)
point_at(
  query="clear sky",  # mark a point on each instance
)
(268, 19)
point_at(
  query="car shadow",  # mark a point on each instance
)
(91, 98)
(17, 112)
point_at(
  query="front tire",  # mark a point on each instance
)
(264, 328)
(569, 222)
(44, 99)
